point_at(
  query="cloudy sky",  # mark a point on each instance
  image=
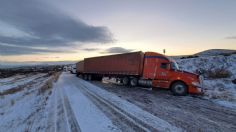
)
(57, 30)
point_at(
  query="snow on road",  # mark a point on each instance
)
(89, 117)
(73, 105)
(86, 98)
(69, 106)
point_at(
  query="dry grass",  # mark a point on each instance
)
(49, 84)
(12, 102)
(219, 73)
(11, 91)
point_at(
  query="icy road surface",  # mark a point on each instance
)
(72, 105)
(96, 109)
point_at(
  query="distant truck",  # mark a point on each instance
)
(147, 69)
(73, 69)
(65, 68)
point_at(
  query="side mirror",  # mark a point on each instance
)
(169, 66)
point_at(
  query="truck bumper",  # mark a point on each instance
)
(195, 90)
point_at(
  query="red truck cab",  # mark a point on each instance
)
(164, 72)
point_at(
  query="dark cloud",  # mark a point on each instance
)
(7, 50)
(117, 50)
(91, 49)
(231, 37)
(47, 26)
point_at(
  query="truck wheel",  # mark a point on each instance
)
(125, 81)
(81, 76)
(90, 77)
(85, 77)
(179, 89)
(134, 82)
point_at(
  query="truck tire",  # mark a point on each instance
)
(90, 77)
(134, 82)
(125, 81)
(179, 89)
(85, 77)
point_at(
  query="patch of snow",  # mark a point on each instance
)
(21, 111)
(132, 109)
(9, 79)
(216, 89)
(89, 117)
(214, 52)
(9, 83)
(228, 104)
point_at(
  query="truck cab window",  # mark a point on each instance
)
(164, 65)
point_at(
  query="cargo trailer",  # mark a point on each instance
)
(122, 64)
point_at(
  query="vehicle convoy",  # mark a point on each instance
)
(147, 69)
(73, 69)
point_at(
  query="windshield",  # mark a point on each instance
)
(174, 65)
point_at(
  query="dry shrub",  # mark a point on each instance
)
(46, 86)
(2, 96)
(56, 76)
(12, 102)
(49, 84)
(12, 90)
(218, 73)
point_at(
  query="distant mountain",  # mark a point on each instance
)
(4, 65)
(214, 52)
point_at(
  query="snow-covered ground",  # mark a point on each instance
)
(87, 100)
(24, 107)
(18, 80)
(215, 52)
(220, 90)
(30, 103)
(72, 104)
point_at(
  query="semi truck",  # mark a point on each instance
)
(149, 69)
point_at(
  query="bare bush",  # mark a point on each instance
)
(218, 73)
(49, 84)
(12, 102)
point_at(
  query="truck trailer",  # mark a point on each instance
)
(149, 69)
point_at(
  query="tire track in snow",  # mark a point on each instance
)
(52, 113)
(60, 123)
(64, 118)
(132, 120)
(70, 116)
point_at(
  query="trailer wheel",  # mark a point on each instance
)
(134, 82)
(90, 77)
(81, 76)
(85, 77)
(179, 89)
(125, 81)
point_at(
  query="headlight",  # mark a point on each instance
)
(196, 84)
